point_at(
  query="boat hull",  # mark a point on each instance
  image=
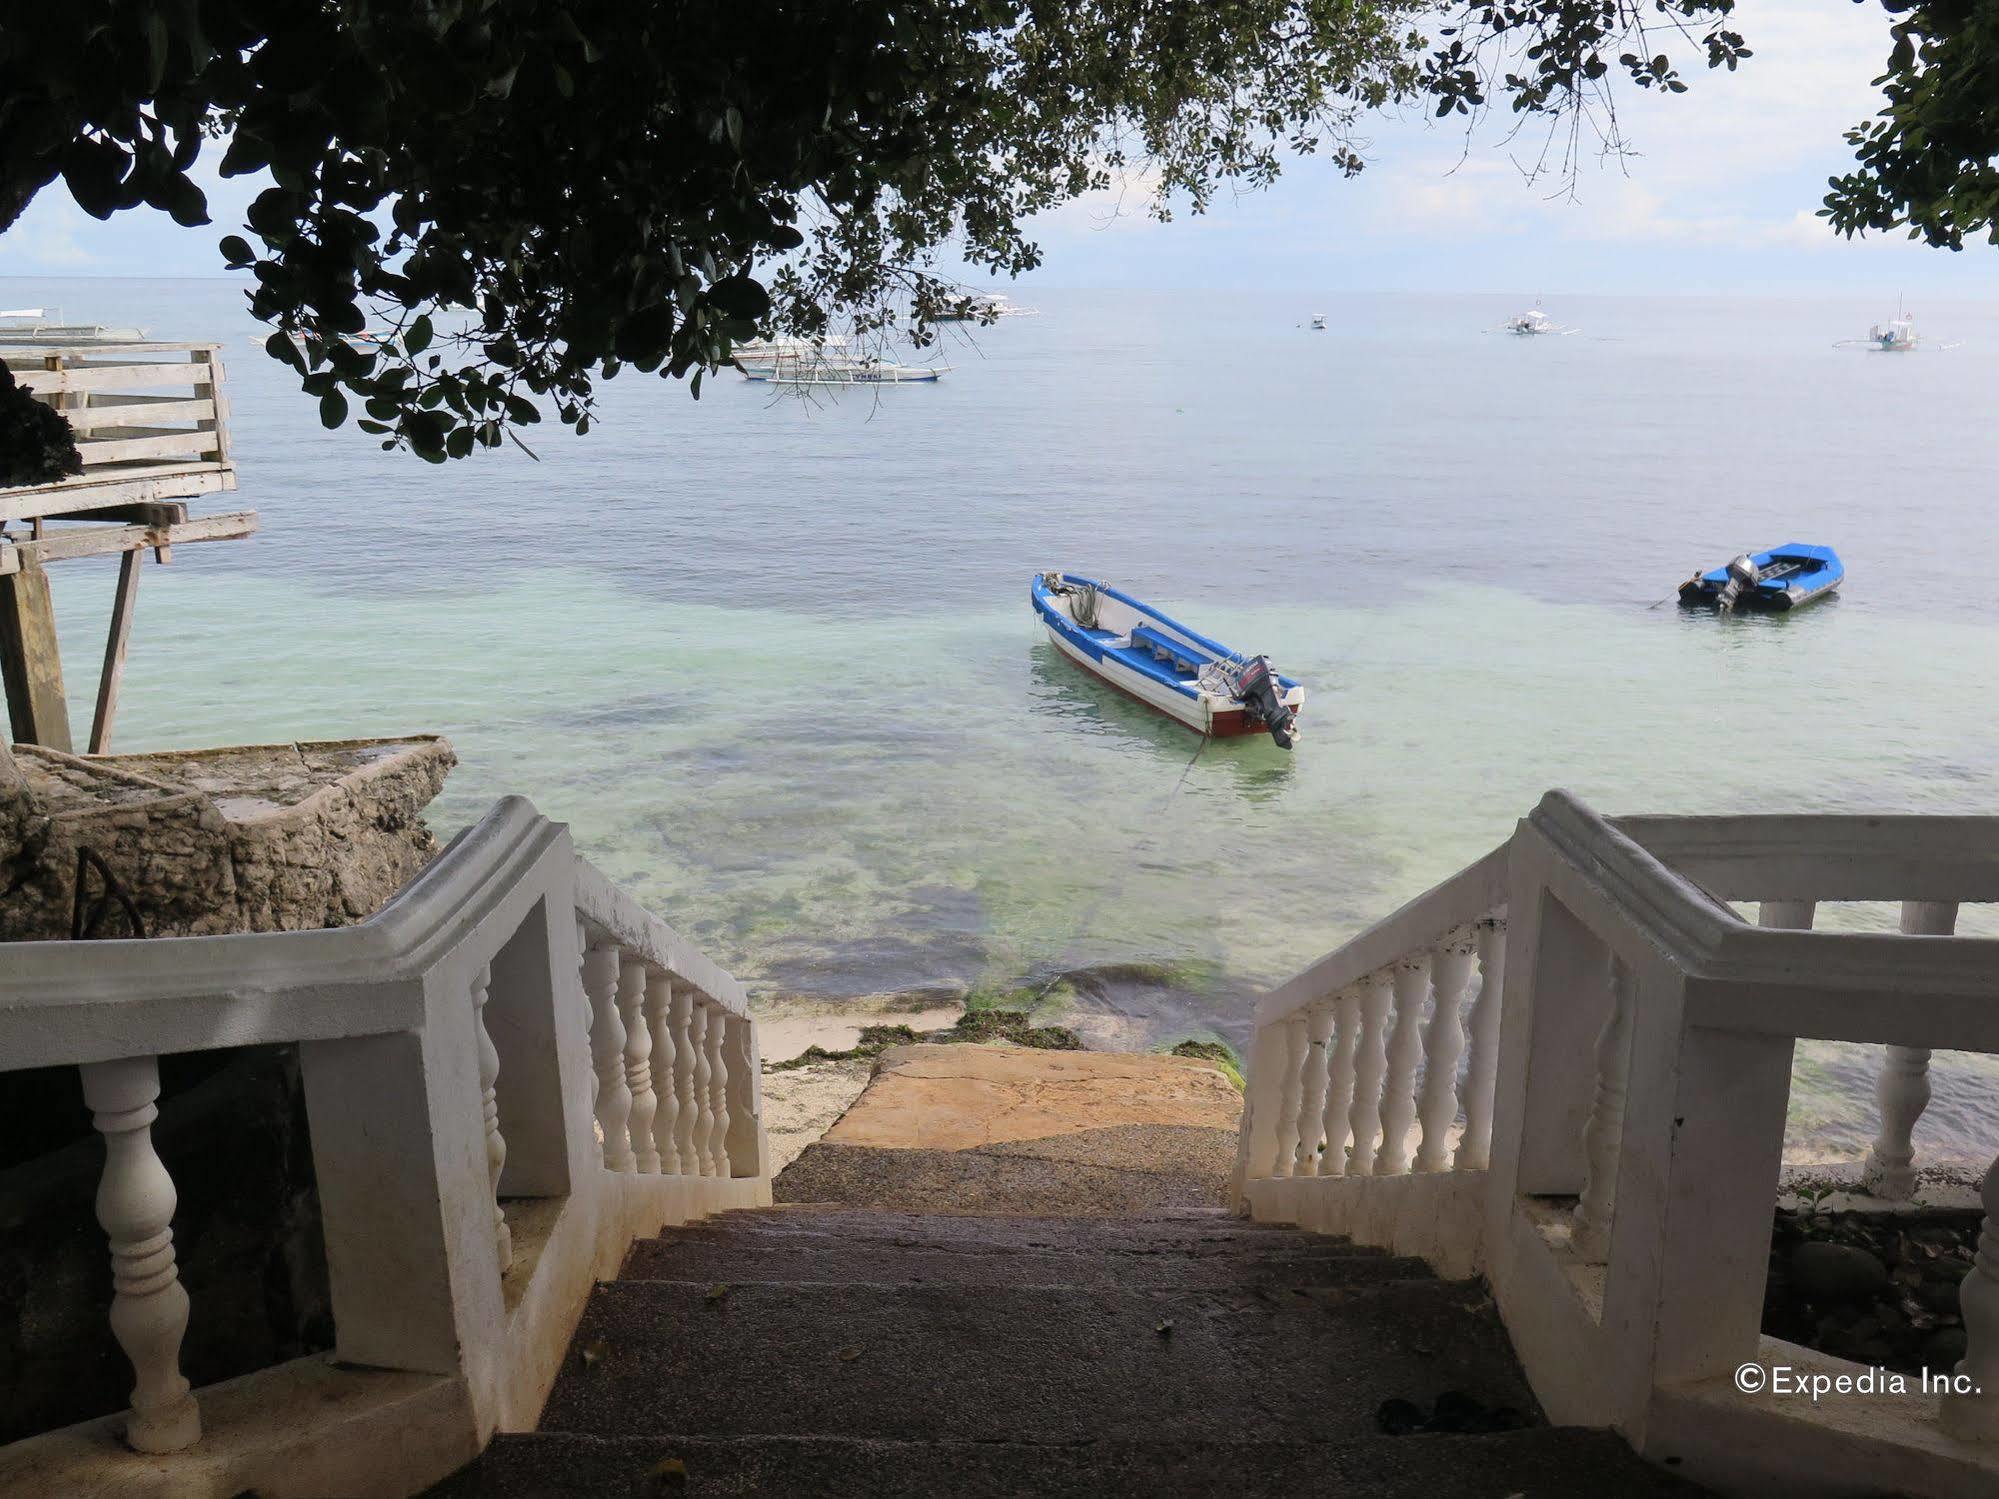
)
(1162, 690)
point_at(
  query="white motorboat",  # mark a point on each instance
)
(977, 306)
(1319, 321)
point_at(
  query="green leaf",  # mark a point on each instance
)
(332, 409)
(416, 338)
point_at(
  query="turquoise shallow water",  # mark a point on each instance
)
(774, 661)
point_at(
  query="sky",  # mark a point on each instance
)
(1717, 197)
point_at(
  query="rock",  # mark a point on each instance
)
(255, 838)
(1836, 1273)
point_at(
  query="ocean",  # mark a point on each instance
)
(773, 660)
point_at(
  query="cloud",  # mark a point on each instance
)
(48, 238)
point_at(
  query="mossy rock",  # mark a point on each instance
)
(1219, 1052)
(983, 1025)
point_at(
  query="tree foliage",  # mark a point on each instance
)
(532, 195)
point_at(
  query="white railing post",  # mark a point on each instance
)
(1370, 1069)
(1482, 1073)
(1289, 1101)
(589, 1026)
(607, 1051)
(716, 1155)
(632, 975)
(1603, 1135)
(1974, 1415)
(489, 1102)
(687, 1096)
(135, 1205)
(1902, 1091)
(1334, 1125)
(1312, 1107)
(1411, 987)
(1258, 1147)
(744, 1144)
(1443, 1044)
(697, 1037)
(665, 1062)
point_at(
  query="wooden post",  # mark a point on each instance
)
(30, 661)
(114, 652)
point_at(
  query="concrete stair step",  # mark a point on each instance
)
(801, 1259)
(1114, 1236)
(1534, 1464)
(971, 1363)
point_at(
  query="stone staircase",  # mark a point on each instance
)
(835, 1351)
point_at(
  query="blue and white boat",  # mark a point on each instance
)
(1152, 657)
(1785, 577)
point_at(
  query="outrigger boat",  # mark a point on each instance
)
(1154, 658)
(1532, 323)
(42, 327)
(1785, 577)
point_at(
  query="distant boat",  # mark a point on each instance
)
(1151, 657)
(1532, 323)
(43, 327)
(838, 370)
(764, 353)
(976, 306)
(1896, 336)
(1785, 577)
(1319, 320)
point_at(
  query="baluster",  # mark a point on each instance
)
(638, 1063)
(589, 1015)
(1312, 1107)
(1475, 1149)
(607, 1049)
(717, 1152)
(489, 1099)
(1289, 1100)
(1603, 1135)
(1257, 1148)
(1902, 1091)
(1339, 1084)
(697, 1037)
(1370, 1068)
(1974, 1417)
(1443, 1044)
(665, 1062)
(1405, 1046)
(686, 1055)
(135, 1206)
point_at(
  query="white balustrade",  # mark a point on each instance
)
(1973, 1415)
(1603, 1135)
(632, 976)
(697, 1126)
(1334, 1126)
(1443, 1045)
(1290, 1102)
(1902, 1091)
(1370, 1069)
(489, 1100)
(1311, 1113)
(715, 1158)
(1411, 986)
(665, 1055)
(607, 1050)
(1482, 1072)
(135, 1205)
(689, 1095)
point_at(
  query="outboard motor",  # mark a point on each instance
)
(1257, 687)
(1742, 574)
